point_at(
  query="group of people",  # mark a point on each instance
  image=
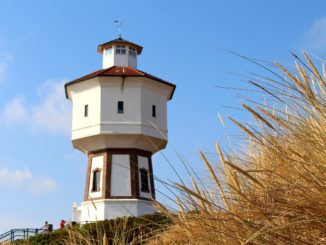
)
(49, 227)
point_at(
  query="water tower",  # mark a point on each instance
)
(119, 120)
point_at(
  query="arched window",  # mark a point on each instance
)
(144, 183)
(96, 180)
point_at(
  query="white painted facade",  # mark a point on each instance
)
(120, 175)
(110, 209)
(86, 93)
(97, 164)
(112, 58)
(104, 127)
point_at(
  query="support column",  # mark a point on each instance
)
(151, 176)
(134, 175)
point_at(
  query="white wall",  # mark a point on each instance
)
(111, 209)
(121, 59)
(114, 59)
(120, 175)
(108, 59)
(97, 163)
(143, 163)
(112, 91)
(116, 140)
(89, 211)
(102, 95)
(85, 93)
(132, 61)
(150, 97)
(138, 96)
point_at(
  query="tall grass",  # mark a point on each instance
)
(271, 192)
(124, 230)
(275, 191)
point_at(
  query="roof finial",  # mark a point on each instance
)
(119, 23)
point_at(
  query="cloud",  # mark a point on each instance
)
(42, 184)
(51, 113)
(315, 38)
(3, 67)
(14, 111)
(24, 178)
(5, 59)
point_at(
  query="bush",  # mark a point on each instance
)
(124, 230)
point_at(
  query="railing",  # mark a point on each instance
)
(17, 234)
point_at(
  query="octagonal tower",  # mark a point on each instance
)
(119, 120)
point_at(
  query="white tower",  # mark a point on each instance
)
(119, 120)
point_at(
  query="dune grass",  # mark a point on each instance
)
(274, 191)
(125, 230)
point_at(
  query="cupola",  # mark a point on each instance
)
(119, 52)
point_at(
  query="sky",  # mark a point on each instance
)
(44, 44)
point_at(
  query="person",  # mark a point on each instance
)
(46, 226)
(62, 224)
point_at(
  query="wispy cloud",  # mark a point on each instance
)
(3, 67)
(5, 59)
(51, 113)
(14, 112)
(24, 178)
(315, 38)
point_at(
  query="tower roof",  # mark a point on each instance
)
(117, 71)
(119, 41)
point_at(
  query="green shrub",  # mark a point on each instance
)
(117, 231)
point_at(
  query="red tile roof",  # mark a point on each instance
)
(117, 71)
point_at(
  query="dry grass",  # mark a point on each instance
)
(274, 193)
(126, 230)
(120, 234)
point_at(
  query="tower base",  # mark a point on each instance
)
(97, 210)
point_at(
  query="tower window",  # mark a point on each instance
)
(144, 184)
(120, 50)
(153, 110)
(108, 51)
(132, 52)
(120, 107)
(86, 111)
(96, 180)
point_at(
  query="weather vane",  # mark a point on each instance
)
(119, 25)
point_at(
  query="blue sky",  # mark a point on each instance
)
(46, 43)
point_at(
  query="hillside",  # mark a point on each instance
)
(117, 231)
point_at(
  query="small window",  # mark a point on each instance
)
(108, 51)
(132, 52)
(96, 180)
(120, 50)
(120, 107)
(86, 111)
(144, 184)
(153, 110)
